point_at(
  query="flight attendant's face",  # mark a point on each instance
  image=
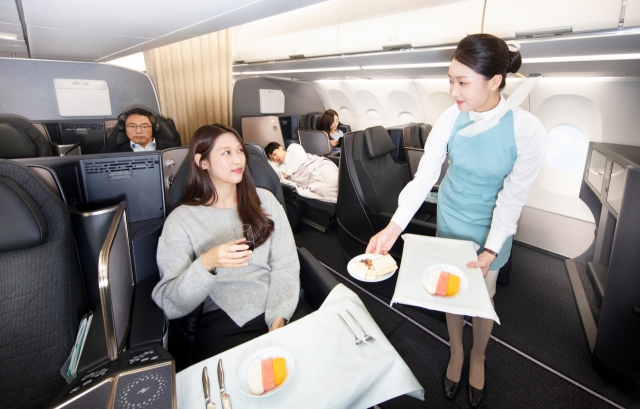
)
(471, 90)
(226, 161)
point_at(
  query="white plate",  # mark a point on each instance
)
(361, 257)
(271, 352)
(464, 283)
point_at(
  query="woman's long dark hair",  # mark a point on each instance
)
(487, 55)
(200, 190)
(327, 120)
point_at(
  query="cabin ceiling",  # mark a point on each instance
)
(100, 31)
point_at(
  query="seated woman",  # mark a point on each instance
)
(329, 124)
(316, 174)
(245, 293)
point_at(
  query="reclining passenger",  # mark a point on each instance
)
(139, 126)
(317, 174)
(246, 293)
(329, 124)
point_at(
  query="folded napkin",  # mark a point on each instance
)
(422, 252)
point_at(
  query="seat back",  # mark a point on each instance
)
(262, 130)
(20, 139)
(312, 120)
(413, 159)
(397, 137)
(166, 131)
(38, 306)
(315, 142)
(424, 130)
(412, 136)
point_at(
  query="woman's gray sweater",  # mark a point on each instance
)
(269, 284)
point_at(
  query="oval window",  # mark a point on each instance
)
(566, 148)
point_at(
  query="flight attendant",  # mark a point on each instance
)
(488, 181)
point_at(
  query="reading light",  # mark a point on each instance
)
(6, 36)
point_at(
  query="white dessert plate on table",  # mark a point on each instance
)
(355, 274)
(433, 269)
(271, 352)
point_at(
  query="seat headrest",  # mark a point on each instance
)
(312, 120)
(377, 141)
(20, 139)
(23, 224)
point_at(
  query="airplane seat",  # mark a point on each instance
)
(166, 131)
(396, 133)
(424, 131)
(20, 139)
(314, 142)
(38, 290)
(312, 120)
(315, 281)
(369, 186)
(412, 135)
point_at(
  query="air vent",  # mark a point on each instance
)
(120, 165)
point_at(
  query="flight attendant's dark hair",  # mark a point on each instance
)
(327, 120)
(487, 55)
(200, 190)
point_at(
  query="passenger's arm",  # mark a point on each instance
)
(284, 287)
(530, 136)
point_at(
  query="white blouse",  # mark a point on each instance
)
(530, 138)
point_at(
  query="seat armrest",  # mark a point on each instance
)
(316, 281)
(147, 319)
(335, 159)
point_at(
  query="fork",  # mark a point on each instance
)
(358, 340)
(367, 338)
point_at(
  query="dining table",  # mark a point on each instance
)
(330, 371)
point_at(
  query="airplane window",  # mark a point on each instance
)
(405, 118)
(567, 148)
(345, 116)
(373, 118)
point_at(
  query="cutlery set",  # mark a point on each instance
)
(358, 341)
(224, 397)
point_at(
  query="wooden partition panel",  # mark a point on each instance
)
(193, 81)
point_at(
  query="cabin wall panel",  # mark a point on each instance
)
(193, 78)
(632, 14)
(335, 95)
(26, 87)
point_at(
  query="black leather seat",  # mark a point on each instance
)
(369, 186)
(316, 282)
(167, 131)
(312, 121)
(39, 300)
(424, 130)
(20, 139)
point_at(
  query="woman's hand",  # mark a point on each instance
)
(334, 142)
(484, 262)
(231, 254)
(284, 175)
(382, 242)
(277, 323)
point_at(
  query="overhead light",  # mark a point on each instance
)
(392, 67)
(6, 36)
(605, 57)
(350, 68)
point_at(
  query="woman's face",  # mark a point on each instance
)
(471, 90)
(226, 160)
(334, 124)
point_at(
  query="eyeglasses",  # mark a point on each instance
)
(144, 127)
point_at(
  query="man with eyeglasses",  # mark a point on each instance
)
(138, 125)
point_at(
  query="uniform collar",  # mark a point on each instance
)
(476, 116)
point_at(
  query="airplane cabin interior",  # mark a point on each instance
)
(83, 206)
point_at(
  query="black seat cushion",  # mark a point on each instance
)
(38, 313)
(166, 132)
(380, 180)
(23, 224)
(20, 139)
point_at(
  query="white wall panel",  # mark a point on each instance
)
(311, 31)
(632, 14)
(435, 97)
(248, 41)
(335, 95)
(503, 18)
(369, 25)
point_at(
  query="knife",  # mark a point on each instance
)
(224, 398)
(205, 386)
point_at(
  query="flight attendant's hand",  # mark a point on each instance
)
(484, 262)
(334, 142)
(382, 242)
(277, 323)
(232, 254)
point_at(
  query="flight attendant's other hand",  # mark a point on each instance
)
(484, 262)
(382, 242)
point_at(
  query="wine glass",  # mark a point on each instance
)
(244, 231)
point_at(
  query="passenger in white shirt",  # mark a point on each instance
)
(487, 184)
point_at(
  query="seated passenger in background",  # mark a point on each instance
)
(139, 126)
(315, 173)
(329, 124)
(245, 293)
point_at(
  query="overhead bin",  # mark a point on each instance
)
(307, 32)
(505, 18)
(248, 41)
(632, 14)
(368, 25)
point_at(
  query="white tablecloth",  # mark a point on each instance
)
(330, 370)
(421, 252)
